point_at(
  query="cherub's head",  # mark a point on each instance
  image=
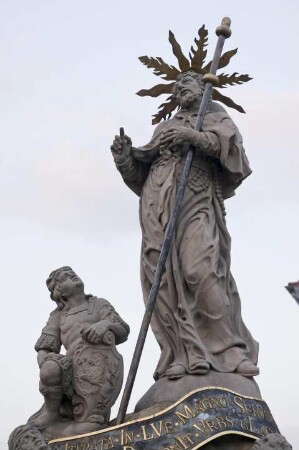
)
(26, 437)
(64, 283)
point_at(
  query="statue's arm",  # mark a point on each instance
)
(49, 340)
(133, 172)
(134, 163)
(107, 320)
(207, 143)
(115, 323)
(219, 134)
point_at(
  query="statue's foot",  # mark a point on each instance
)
(200, 367)
(247, 369)
(175, 371)
(46, 419)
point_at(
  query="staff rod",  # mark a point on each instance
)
(223, 32)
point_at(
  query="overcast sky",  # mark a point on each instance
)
(69, 71)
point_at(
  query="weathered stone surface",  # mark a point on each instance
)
(197, 318)
(165, 390)
(79, 387)
(273, 441)
(201, 418)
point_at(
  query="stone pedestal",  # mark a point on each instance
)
(165, 392)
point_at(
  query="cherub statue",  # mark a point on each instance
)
(80, 386)
(26, 437)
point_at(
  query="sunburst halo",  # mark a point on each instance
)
(196, 63)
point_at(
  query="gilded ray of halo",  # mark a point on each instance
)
(197, 63)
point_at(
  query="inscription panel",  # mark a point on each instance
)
(198, 418)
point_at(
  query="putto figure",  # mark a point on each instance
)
(26, 437)
(197, 318)
(82, 385)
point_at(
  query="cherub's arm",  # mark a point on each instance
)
(109, 320)
(49, 340)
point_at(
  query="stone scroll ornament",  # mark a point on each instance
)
(197, 63)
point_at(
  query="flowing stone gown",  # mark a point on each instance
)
(198, 312)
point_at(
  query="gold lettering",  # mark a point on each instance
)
(110, 443)
(248, 409)
(126, 438)
(250, 423)
(100, 443)
(258, 412)
(266, 430)
(239, 402)
(145, 436)
(219, 402)
(197, 427)
(174, 447)
(221, 422)
(243, 424)
(229, 421)
(156, 430)
(198, 408)
(168, 427)
(211, 425)
(246, 424)
(206, 403)
(182, 440)
(185, 417)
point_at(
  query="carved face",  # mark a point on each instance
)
(26, 437)
(68, 282)
(30, 441)
(188, 90)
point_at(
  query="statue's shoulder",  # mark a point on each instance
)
(55, 314)
(97, 303)
(217, 114)
(215, 107)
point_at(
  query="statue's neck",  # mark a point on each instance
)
(75, 301)
(189, 107)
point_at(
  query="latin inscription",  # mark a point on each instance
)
(202, 416)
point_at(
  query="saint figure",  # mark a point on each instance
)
(197, 318)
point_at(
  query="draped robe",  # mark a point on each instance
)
(198, 313)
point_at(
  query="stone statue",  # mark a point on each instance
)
(26, 437)
(79, 387)
(197, 319)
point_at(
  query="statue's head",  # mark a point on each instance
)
(188, 88)
(64, 283)
(26, 437)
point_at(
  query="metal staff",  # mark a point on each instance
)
(223, 32)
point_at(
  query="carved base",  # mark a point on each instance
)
(165, 392)
(208, 417)
(211, 418)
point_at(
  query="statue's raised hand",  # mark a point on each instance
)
(121, 147)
